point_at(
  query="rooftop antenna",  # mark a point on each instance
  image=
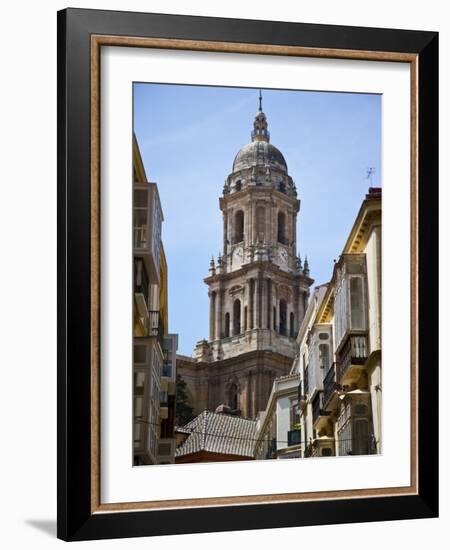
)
(260, 100)
(370, 172)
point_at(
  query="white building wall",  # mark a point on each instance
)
(283, 421)
(375, 395)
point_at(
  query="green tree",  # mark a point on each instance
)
(183, 411)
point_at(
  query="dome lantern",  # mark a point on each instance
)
(260, 131)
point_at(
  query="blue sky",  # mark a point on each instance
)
(189, 136)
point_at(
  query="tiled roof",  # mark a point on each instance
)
(219, 433)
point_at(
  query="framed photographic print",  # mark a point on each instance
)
(247, 254)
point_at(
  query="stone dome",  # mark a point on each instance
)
(259, 153)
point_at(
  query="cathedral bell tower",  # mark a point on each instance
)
(258, 288)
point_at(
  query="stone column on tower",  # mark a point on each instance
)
(258, 302)
(218, 329)
(212, 300)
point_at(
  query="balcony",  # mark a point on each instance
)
(167, 370)
(353, 352)
(294, 437)
(357, 446)
(329, 385)
(317, 407)
(141, 280)
(147, 219)
(156, 326)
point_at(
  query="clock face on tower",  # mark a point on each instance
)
(282, 258)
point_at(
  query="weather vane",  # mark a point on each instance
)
(370, 173)
(260, 100)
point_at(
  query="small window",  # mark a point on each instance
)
(323, 336)
(260, 222)
(163, 397)
(238, 185)
(361, 439)
(236, 317)
(356, 303)
(361, 410)
(283, 317)
(227, 325)
(291, 325)
(164, 449)
(324, 356)
(140, 354)
(233, 397)
(239, 226)
(139, 383)
(326, 451)
(140, 198)
(281, 227)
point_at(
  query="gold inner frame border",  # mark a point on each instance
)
(97, 41)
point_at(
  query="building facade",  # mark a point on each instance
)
(339, 359)
(153, 347)
(167, 438)
(258, 289)
(279, 427)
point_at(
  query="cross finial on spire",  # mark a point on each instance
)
(260, 132)
(369, 174)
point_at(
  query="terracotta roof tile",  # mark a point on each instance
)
(218, 433)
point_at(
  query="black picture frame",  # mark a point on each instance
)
(75, 519)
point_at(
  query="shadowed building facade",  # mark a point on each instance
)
(258, 288)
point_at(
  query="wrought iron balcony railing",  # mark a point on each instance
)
(353, 352)
(294, 437)
(329, 385)
(317, 407)
(357, 446)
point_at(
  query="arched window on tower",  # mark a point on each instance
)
(282, 187)
(252, 304)
(238, 226)
(238, 185)
(260, 222)
(291, 325)
(282, 227)
(233, 397)
(236, 317)
(227, 325)
(283, 317)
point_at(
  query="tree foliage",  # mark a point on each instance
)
(183, 411)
